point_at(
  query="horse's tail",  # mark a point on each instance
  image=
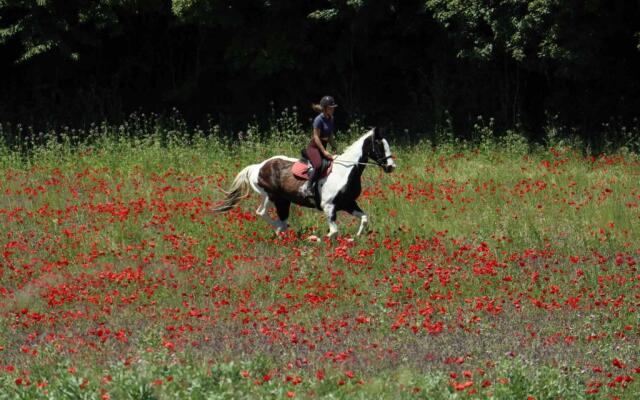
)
(240, 189)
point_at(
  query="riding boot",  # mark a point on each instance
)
(313, 181)
(317, 173)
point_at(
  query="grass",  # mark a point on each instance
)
(492, 270)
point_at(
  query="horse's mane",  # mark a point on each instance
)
(357, 145)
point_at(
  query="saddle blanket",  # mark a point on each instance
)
(301, 170)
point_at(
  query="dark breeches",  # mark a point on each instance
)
(315, 156)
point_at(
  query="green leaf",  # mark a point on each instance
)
(325, 15)
(181, 7)
(8, 33)
(36, 49)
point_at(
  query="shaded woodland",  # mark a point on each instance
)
(422, 65)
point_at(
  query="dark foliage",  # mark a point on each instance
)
(417, 64)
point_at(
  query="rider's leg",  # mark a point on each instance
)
(316, 161)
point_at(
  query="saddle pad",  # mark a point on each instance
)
(300, 170)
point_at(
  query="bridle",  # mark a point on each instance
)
(378, 161)
(382, 158)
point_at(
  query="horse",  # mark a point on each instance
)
(274, 180)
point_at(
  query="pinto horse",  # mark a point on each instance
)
(274, 180)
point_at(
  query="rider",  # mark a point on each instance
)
(322, 134)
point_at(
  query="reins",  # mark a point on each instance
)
(375, 164)
(350, 163)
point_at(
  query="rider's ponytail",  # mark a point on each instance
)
(316, 107)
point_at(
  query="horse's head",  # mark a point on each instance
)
(379, 151)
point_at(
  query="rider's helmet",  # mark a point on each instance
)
(327, 101)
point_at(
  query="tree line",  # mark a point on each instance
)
(423, 65)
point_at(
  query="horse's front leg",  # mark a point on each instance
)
(357, 212)
(330, 213)
(282, 207)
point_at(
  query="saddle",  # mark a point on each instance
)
(302, 167)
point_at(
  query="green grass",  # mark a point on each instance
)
(525, 255)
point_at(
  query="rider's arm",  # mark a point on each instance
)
(332, 142)
(318, 142)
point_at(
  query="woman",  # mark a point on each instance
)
(322, 135)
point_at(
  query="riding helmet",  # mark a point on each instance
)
(328, 101)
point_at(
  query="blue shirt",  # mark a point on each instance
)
(325, 125)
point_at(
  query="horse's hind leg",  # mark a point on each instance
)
(263, 211)
(282, 207)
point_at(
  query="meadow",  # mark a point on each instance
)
(491, 269)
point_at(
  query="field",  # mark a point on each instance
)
(494, 270)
